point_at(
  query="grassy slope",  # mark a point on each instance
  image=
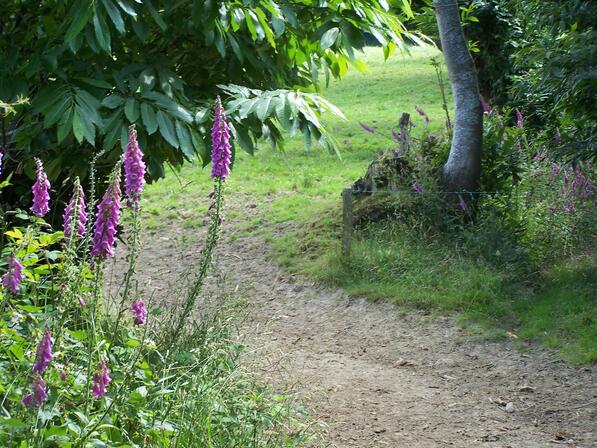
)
(303, 188)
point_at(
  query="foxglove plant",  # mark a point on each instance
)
(221, 159)
(134, 170)
(41, 191)
(101, 380)
(75, 211)
(39, 395)
(417, 187)
(107, 219)
(1, 158)
(139, 312)
(14, 275)
(44, 353)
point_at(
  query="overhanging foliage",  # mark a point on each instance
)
(92, 68)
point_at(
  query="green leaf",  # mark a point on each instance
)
(329, 38)
(115, 15)
(127, 8)
(113, 101)
(133, 343)
(78, 126)
(264, 108)
(148, 117)
(167, 128)
(186, 145)
(250, 24)
(102, 32)
(65, 125)
(95, 82)
(56, 112)
(80, 19)
(200, 146)
(242, 137)
(131, 110)
(155, 15)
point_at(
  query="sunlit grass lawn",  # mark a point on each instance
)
(303, 187)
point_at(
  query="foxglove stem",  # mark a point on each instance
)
(205, 263)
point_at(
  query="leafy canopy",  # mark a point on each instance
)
(92, 68)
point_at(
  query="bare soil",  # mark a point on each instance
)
(381, 377)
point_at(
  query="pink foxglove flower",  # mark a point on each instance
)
(41, 191)
(139, 312)
(134, 170)
(108, 216)
(220, 144)
(13, 277)
(63, 375)
(39, 395)
(101, 380)
(1, 158)
(81, 212)
(44, 353)
(485, 106)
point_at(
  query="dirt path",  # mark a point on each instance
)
(379, 378)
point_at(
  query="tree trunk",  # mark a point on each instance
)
(462, 171)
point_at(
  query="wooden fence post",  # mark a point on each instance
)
(347, 220)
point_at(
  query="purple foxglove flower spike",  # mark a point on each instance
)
(63, 375)
(485, 106)
(40, 190)
(220, 144)
(13, 277)
(134, 170)
(1, 158)
(417, 187)
(44, 353)
(139, 312)
(39, 395)
(519, 119)
(101, 380)
(108, 216)
(79, 197)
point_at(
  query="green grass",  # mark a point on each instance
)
(396, 263)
